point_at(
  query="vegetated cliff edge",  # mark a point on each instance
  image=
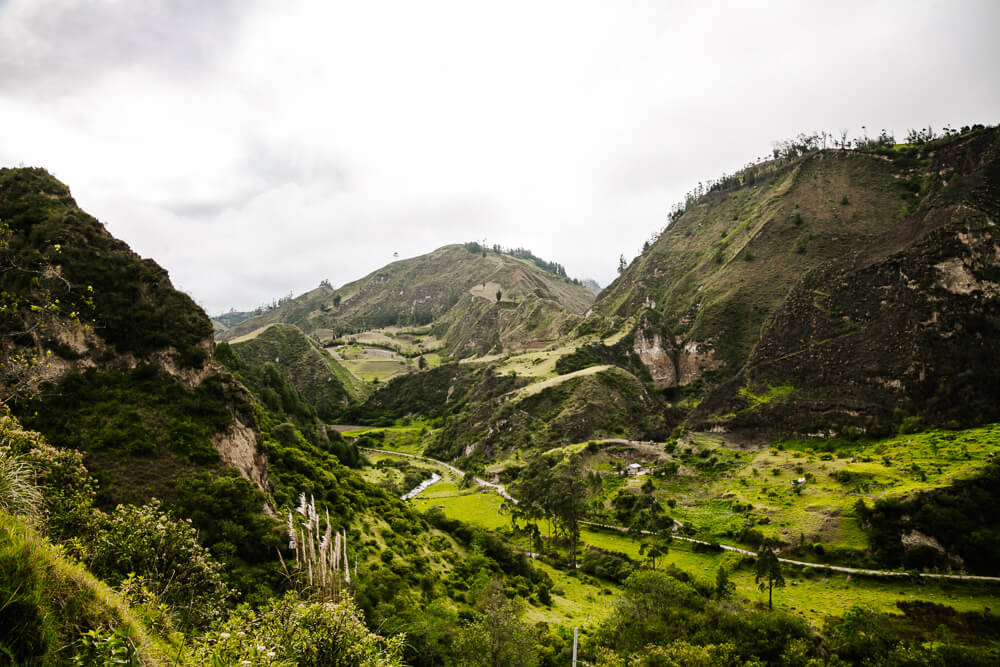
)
(838, 289)
(83, 315)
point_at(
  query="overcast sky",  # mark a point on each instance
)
(254, 148)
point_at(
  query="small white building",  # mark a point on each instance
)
(634, 468)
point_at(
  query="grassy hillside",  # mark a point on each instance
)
(324, 382)
(593, 403)
(425, 289)
(53, 606)
(895, 337)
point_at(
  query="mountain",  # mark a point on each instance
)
(327, 385)
(839, 289)
(233, 317)
(454, 289)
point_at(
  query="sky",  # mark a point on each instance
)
(254, 147)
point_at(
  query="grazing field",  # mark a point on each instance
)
(372, 364)
(407, 342)
(811, 593)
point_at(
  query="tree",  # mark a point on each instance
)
(622, 264)
(767, 572)
(653, 528)
(569, 496)
(421, 362)
(499, 294)
(336, 301)
(723, 586)
(498, 638)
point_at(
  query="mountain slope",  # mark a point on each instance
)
(326, 384)
(446, 287)
(902, 334)
(709, 282)
(864, 281)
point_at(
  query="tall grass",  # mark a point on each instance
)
(320, 555)
(19, 495)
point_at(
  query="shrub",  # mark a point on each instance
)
(147, 542)
(292, 631)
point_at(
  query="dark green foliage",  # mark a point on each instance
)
(767, 571)
(607, 564)
(620, 354)
(226, 510)
(442, 391)
(964, 518)
(657, 609)
(143, 413)
(148, 542)
(498, 637)
(130, 300)
(321, 386)
(864, 636)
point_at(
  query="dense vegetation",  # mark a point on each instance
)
(56, 258)
(956, 526)
(162, 506)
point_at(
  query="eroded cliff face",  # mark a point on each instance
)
(673, 362)
(76, 300)
(238, 446)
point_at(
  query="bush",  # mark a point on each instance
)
(292, 631)
(147, 542)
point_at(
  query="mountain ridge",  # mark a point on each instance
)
(444, 288)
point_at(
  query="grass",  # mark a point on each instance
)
(474, 506)
(815, 594)
(580, 601)
(406, 439)
(538, 363)
(893, 467)
(373, 364)
(407, 342)
(49, 602)
(536, 387)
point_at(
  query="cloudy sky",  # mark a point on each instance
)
(256, 147)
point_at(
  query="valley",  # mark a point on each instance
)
(773, 439)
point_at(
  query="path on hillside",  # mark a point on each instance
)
(725, 547)
(481, 482)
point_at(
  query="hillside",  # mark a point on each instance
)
(309, 368)
(453, 288)
(899, 336)
(157, 446)
(863, 280)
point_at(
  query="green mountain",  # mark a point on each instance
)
(454, 289)
(305, 365)
(225, 320)
(838, 289)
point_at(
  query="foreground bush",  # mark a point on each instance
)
(146, 542)
(292, 631)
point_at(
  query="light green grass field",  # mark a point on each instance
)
(814, 595)
(577, 601)
(410, 439)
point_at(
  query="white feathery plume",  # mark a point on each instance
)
(302, 508)
(347, 566)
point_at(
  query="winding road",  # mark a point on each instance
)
(725, 547)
